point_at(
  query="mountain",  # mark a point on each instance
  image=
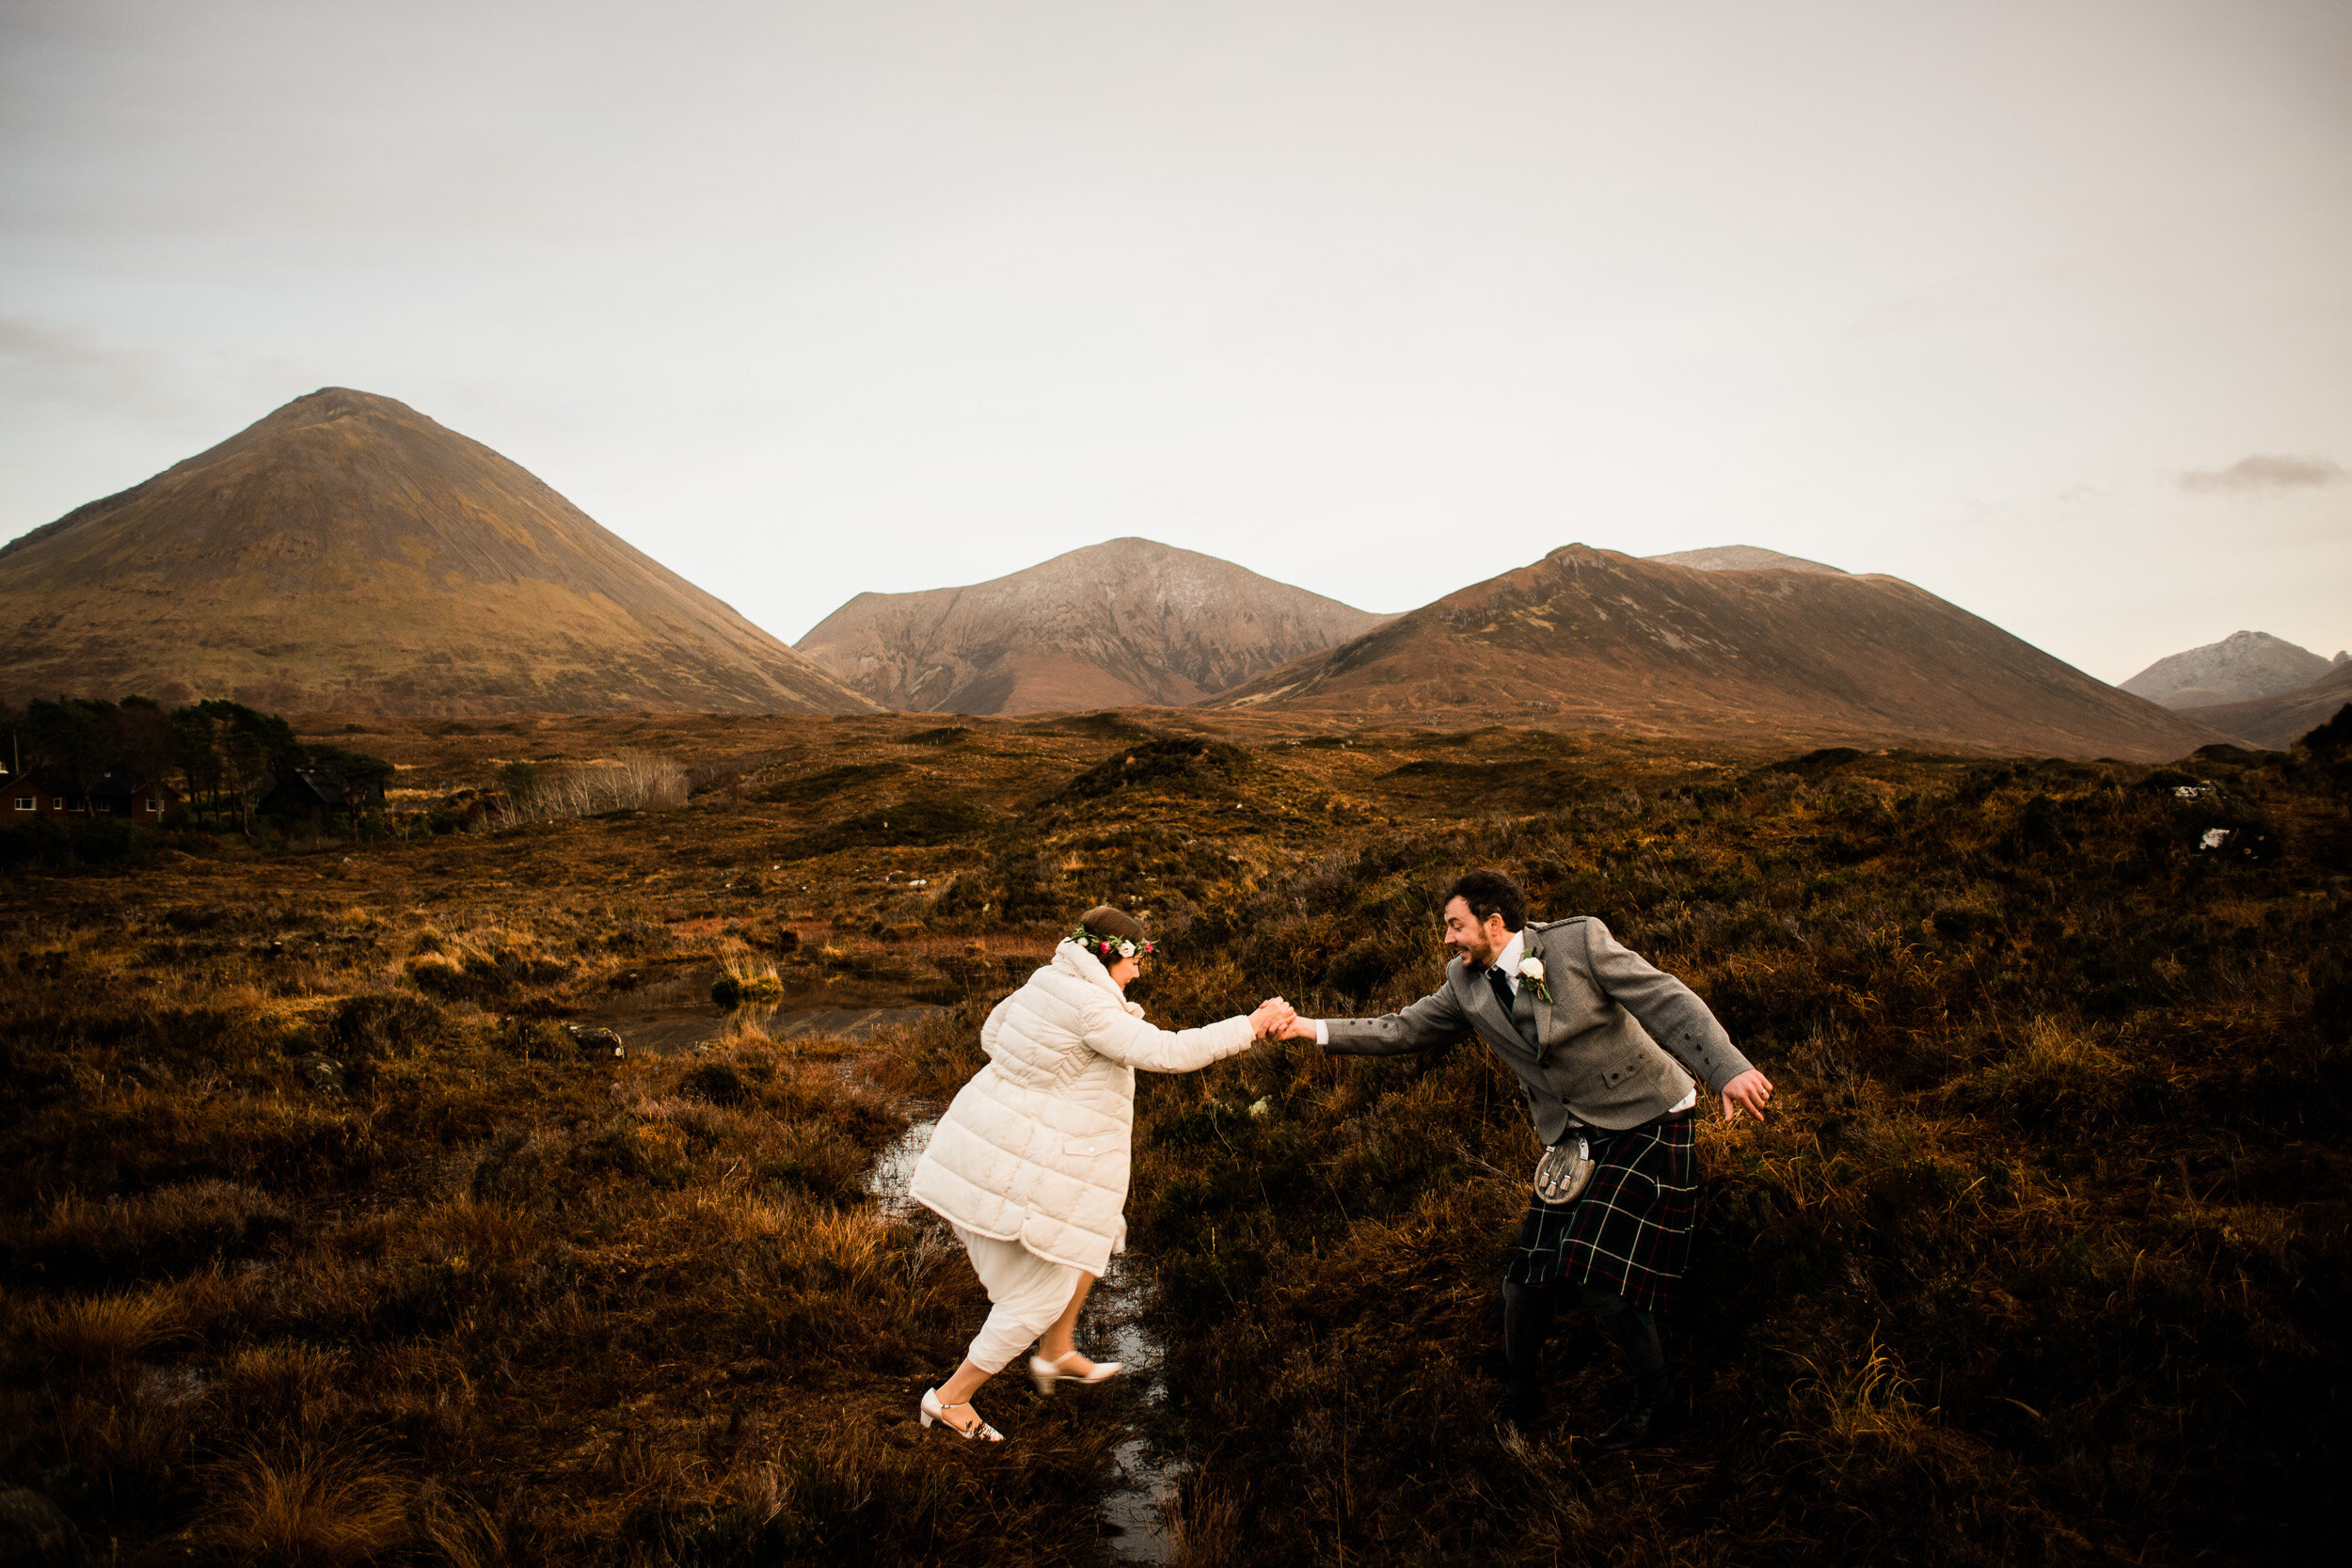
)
(348, 553)
(2280, 721)
(1125, 621)
(1742, 558)
(1593, 637)
(2242, 667)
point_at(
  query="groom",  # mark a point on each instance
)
(1581, 1021)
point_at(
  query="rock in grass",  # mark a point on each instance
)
(35, 1533)
(322, 1074)
(595, 1043)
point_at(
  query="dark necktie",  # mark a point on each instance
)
(1502, 984)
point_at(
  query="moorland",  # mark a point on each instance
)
(326, 1240)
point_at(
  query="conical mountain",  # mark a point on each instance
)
(2243, 667)
(348, 553)
(1127, 622)
(1587, 637)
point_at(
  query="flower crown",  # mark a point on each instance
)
(1108, 948)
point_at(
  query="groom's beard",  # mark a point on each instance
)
(1477, 956)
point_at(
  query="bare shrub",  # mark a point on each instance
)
(630, 780)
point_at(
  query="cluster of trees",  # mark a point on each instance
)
(222, 756)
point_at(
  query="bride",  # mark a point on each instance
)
(1029, 1164)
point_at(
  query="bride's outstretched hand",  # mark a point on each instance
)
(1273, 1017)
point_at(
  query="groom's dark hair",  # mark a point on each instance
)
(1489, 892)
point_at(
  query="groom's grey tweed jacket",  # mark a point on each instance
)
(1591, 1053)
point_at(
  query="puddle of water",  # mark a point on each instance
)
(894, 1168)
(1150, 1464)
(1135, 1523)
(675, 1013)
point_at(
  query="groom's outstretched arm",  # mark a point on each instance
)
(1676, 1019)
(1435, 1019)
(1669, 1011)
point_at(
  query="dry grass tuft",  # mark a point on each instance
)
(313, 1507)
(1204, 1525)
(164, 1231)
(1868, 1400)
(278, 1379)
(747, 982)
(104, 1332)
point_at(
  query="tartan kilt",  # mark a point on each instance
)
(1629, 1231)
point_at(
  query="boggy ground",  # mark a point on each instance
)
(324, 1242)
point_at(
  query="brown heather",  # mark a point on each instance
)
(2041, 1258)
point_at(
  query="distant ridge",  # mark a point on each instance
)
(348, 553)
(1589, 637)
(2278, 721)
(1126, 621)
(2243, 667)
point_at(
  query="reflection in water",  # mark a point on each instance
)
(675, 1013)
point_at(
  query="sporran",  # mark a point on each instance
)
(1564, 1171)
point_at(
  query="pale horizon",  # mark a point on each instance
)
(2040, 307)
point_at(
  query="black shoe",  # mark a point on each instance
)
(1649, 1418)
(1521, 1404)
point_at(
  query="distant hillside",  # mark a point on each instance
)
(348, 553)
(1126, 621)
(2241, 668)
(2278, 721)
(1742, 558)
(1593, 637)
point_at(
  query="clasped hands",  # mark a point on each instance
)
(1277, 1020)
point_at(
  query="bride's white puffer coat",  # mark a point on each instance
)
(1035, 1147)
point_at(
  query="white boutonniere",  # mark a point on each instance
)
(1531, 971)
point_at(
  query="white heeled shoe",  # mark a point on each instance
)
(934, 1411)
(1046, 1373)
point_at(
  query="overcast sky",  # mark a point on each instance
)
(2045, 307)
